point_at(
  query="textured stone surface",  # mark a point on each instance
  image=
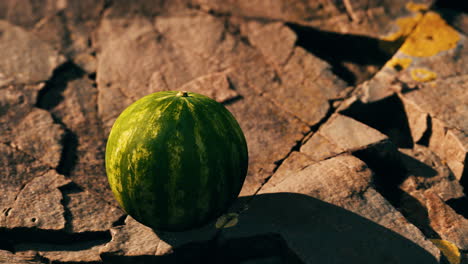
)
(275, 41)
(74, 252)
(345, 181)
(433, 51)
(135, 239)
(18, 169)
(88, 214)
(205, 51)
(372, 17)
(448, 104)
(355, 179)
(26, 59)
(215, 86)
(84, 159)
(38, 204)
(446, 222)
(318, 231)
(448, 109)
(312, 83)
(341, 134)
(15, 103)
(306, 84)
(132, 239)
(426, 171)
(349, 134)
(417, 119)
(29, 129)
(38, 136)
(8, 257)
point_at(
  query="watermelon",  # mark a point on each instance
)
(176, 160)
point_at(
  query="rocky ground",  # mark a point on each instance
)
(355, 113)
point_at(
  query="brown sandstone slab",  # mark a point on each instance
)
(317, 231)
(70, 252)
(341, 134)
(270, 84)
(446, 103)
(433, 51)
(16, 101)
(70, 29)
(359, 17)
(350, 134)
(39, 136)
(306, 86)
(335, 179)
(65, 26)
(455, 152)
(88, 213)
(135, 239)
(18, 169)
(274, 40)
(426, 171)
(11, 258)
(446, 222)
(345, 181)
(269, 132)
(319, 147)
(127, 71)
(417, 119)
(38, 204)
(437, 138)
(27, 128)
(26, 59)
(445, 100)
(206, 36)
(296, 161)
(215, 86)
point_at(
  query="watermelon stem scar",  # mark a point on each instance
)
(182, 93)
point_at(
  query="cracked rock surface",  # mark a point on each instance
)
(355, 115)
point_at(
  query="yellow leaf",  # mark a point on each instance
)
(449, 250)
(227, 220)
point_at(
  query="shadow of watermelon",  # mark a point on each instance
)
(292, 228)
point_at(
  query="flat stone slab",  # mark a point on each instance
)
(73, 252)
(88, 214)
(426, 171)
(26, 59)
(342, 134)
(345, 181)
(448, 111)
(39, 136)
(428, 54)
(19, 169)
(327, 182)
(38, 204)
(318, 231)
(28, 258)
(446, 222)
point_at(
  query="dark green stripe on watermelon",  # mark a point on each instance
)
(176, 162)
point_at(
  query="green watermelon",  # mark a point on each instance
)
(176, 160)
